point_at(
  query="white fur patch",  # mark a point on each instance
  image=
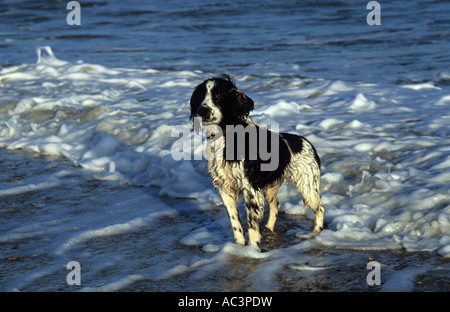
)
(208, 101)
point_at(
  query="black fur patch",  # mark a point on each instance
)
(294, 142)
(252, 161)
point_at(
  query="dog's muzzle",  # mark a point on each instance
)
(205, 112)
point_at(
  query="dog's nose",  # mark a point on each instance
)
(204, 111)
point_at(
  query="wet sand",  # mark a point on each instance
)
(327, 269)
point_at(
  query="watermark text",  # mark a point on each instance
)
(250, 143)
(74, 276)
(374, 16)
(74, 16)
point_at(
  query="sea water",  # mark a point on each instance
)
(86, 132)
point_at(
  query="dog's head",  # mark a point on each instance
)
(218, 101)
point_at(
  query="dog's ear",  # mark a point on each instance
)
(195, 102)
(243, 104)
(194, 117)
(193, 112)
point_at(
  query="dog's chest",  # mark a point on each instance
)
(224, 174)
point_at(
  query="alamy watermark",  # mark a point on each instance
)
(374, 16)
(74, 16)
(74, 276)
(374, 276)
(250, 142)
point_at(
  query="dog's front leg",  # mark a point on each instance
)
(254, 202)
(272, 199)
(230, 202)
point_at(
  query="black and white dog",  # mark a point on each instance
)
(237, 170)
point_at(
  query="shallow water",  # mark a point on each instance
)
(87, 119)
(150, 257)
(329, 39)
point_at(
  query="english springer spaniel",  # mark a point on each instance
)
(237, 169)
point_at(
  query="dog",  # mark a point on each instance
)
(223, 108)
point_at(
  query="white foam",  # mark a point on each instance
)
(403, 280)
(420, 86)
(361, 103)
(116, 285)
(337, 87)
(331, 123)
(282, 108)
(384, 153)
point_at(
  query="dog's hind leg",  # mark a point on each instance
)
(318, 210)
(271, 196)
(230, 202)
(254, 201)
(309, 188)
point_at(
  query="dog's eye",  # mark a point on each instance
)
(218, 96)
